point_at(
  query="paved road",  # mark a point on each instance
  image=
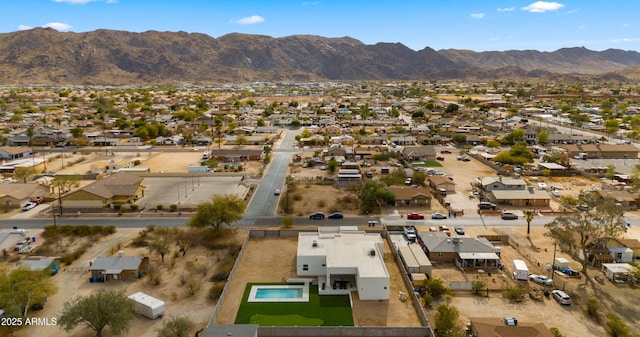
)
(264, 203)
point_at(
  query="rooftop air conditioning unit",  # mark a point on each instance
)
(314, 244)
(372, 252)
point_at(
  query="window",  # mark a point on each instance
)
(305, 267)
(440, 254)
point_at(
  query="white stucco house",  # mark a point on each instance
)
(344, 259)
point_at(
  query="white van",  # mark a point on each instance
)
(542, 186)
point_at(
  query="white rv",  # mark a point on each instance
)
(147, 306)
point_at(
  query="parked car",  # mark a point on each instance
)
(509, 216)
(487, 205)
(445, 151)
(440, 158)
(29, 205)
(463, 158)
(438, 216)
(21, 244)
(27, 249)
(336, 215)
(561, 297)
(459, 230)
(583, 207)
(415, 216)
(541, 279)
(317, 216)
(276, 192)
(396, 164)
(38, 200)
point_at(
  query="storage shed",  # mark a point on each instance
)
(621, 254)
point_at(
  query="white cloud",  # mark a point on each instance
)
(626, 39)
(250, 20)
(59, 26)
(477, 15)
(24, 27)
(626, 25)
(542, 6)
(506, 9)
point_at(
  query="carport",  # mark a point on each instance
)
(478, 260)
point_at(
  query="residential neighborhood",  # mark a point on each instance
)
(333, 180)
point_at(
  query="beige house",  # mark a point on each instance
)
(441, 182)
(119, 188)
(16, 194)
(406, 196)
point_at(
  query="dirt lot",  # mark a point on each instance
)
(157, 161)
(73, 281)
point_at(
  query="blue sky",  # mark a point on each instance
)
(472, 24)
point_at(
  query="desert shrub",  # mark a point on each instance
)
(514, 293)
(428, 300)
(321, 203)
(117, 206)
(173, 207)
(154, 277)
(477, 286)
(133, 207)
(159, 207)
(435, 287)
(68, 259)
(193, 286)
(287, 222)
(593, 308)
(216, 290)
(556, 332)
(297, 197)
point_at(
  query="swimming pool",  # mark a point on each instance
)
(279, 293)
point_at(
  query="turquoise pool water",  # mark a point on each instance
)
(279, 293)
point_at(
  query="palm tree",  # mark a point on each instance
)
(528, 216)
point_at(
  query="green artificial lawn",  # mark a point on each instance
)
(326, 310)
(428, 164)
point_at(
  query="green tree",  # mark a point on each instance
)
(543, 137)
(528, 216)
(435, 287)
(513, 137)
(223, 209)
(447, 321)
(77, 132)
(22, 287)
(374, 194)
(459, 138)
(611, 171)
(451, 107)
(577, 232)
(160, 245)
(419, 178)
(332, 165)
(100, 309)
(176, 327)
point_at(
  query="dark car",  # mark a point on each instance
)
(336, 216)
(459, 230)
(415, 216)
(509, 216)
(440, 158)
(317, 216)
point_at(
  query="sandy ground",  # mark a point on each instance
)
(73, 281)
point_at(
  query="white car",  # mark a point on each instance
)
(276, 192)
(541, 279)
(29, 205)
(561, 297)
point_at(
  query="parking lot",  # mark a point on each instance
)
(188, 191)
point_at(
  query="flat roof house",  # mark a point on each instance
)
(344, 259)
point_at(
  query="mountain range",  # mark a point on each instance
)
(108, 57)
